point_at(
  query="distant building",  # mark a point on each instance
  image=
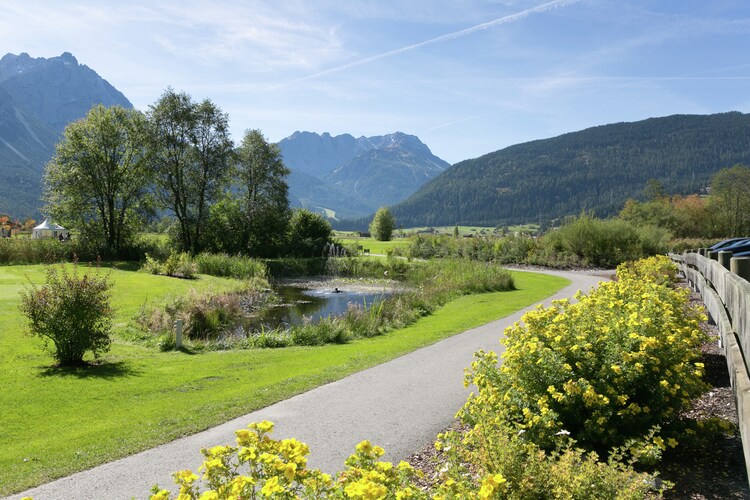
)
(49, 229)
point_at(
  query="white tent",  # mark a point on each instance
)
(49, 229)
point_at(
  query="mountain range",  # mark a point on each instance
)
(594, 170)
(38, 98)
(346, 177)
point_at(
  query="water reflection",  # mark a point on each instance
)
(301, 305)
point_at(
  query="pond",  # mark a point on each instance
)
(302, 305)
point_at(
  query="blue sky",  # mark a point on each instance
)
(467, 76)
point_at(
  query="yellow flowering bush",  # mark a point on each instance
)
(262, 467)
(607, 374)
(604, 370)
(657, 269)
(490, 461)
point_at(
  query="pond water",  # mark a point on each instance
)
(300, 305)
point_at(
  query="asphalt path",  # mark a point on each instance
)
(400, 405)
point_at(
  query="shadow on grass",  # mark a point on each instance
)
(103, 369)
(120, 265)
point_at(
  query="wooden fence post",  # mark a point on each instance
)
(724, 257)
(741, 267)
(178, 333)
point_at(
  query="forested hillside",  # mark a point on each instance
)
(596, 169)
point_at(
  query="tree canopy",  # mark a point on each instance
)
(309, 233)
(730, 198)
(98, 179)
(191, 156)
(383, 224)
(253, 215)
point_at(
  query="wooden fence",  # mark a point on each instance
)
(727, 299)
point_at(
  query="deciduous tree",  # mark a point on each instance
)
(730, 198)
(308, 234)
(382, 225)
(253, 216)
(191, 155)
(98, 179)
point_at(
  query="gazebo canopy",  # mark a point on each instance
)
(49, 225)
(49, 229)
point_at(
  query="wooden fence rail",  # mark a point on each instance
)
(727, 299)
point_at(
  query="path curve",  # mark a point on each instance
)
(400, 405)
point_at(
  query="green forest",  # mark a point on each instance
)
(595, 170)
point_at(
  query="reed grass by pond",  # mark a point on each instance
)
(59, 422)
(229, 320)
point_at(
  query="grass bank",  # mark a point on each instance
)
(374, 246)
(58, 422)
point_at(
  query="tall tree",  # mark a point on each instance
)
(382, 224)
(730, 197)
(192, 150)
(98, 179)
(263, 194)
(253, 216)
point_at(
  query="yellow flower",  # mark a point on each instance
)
(490, 484)
(365, 490)
(364, 447)
(384, 466)
(405, 493)
(247, 454)
(243, 437)
(290, 470)
(209, 495)
(219, 450)
(272, 487)
(240, 483)
(161, 495)
(264, 426)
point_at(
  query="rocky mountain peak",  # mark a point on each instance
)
(372, 171)
(38, 98)
(56, 90)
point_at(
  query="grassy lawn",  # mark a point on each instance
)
(375, 246)
(474, 230)
(57, 422)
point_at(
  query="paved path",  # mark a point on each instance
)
(400, 405)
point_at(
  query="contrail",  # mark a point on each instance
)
(450, 36)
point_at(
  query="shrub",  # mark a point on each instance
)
(658, 269)
(607, 369)
(326, 331)
(309, 233)
(296, 266)
(494, 460)
(232, 266)
(72, 312)
(263, 467)
(205, 315)
(178, 265)
(582, 241)
(19, 250)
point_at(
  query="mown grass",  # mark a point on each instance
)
(373, 245)
(56, 422)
